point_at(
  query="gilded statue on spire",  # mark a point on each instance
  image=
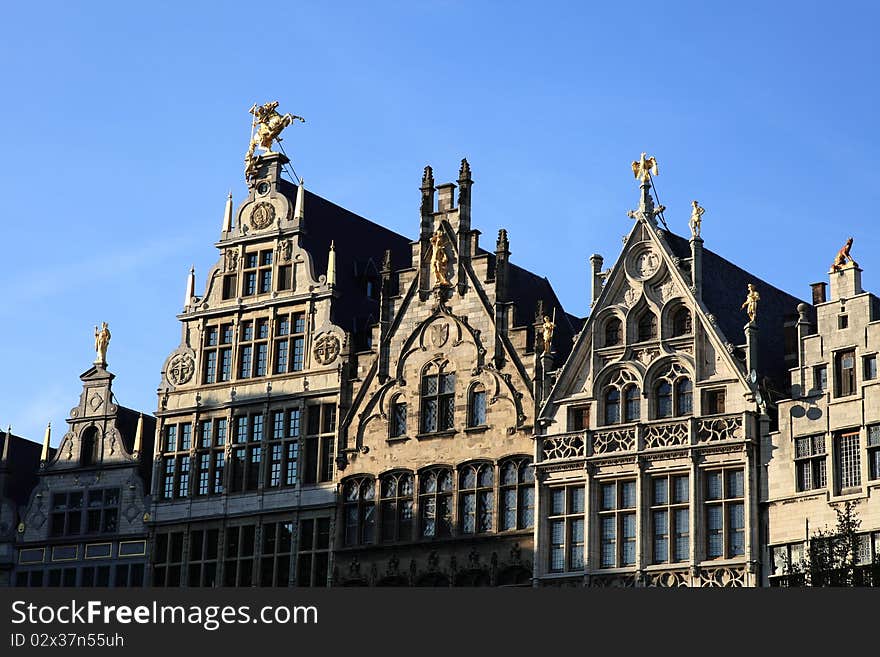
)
(266, 127)
(843, 257)
(439, 259)
(644, 168)
(751, 303)
(102, 339)
(547, 329)
(696, 219)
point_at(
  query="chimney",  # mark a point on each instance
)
(596, 262)
(819, 293)
(445, 197)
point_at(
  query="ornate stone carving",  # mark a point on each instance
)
(617, 440)
(668, 579)
(720, 428)
(180, 369)
(645, 356)
(647, 263)
(613, 581)
(285, 250)
(666, 435)
(439, 334)
(263, 215)
(326, 349)
(723, 577)
(569, 446)
(630, 297)
(231, 260)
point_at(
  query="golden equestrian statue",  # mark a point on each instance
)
(439, 259)
(843, 256)
(267, 124)
(644, 168)
(751, 303)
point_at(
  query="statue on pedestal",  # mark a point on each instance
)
(102, 339)
(751, 303)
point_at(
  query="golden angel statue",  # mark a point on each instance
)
(644, 168)
(696, 220)
(439, 259)
(843, 257)
(102, 339)
(751, 303)
(547, 329)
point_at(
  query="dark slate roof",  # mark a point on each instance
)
(21, 470)
(724, 290)
(360, 246)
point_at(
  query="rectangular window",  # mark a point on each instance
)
(842, 321)
(869, 367)
(313, 555)
(285, 278)
(275, 556)
(229, 286)
(820, 378)
(67, 511)
(238, 566)
(715, 402)
(874, 452)
(849, 462)
(725, 513)
(810, 464)
(202, 570)
(210, 375)
(319, 443)
(617, 523)
(579, 418)
(670, 516)
(845, 364)
(298, 353)
(225, 373)
(566, 529)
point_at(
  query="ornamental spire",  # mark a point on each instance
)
(44, 455)
(227, 214)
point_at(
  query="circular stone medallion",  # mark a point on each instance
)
(263, 216)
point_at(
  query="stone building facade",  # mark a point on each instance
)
(19, 461)
(86, 521)
(436, 478)
(826, 450)
(647, 445)
(244, 489)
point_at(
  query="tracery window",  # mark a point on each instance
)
(359, 510)
(476, 498)
(612, 332)
(622, 383)
(673, 393)
(612, 406)
(647, 326)
(477, 406)
(396, 506)
(632, 403)
(438, 399)
(517, 510)
(682, 323)
(398, 417)
(435, 502)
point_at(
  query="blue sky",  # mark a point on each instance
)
(124, 125)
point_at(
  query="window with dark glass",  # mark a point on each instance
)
(725, 513)
(398, 418)
(647, 327)
(612, 332)
(202, 567)
(566, 529)
(90, 445)
(283, 449)
(396, 506)
(715, 401)
(247, 453)
(869, 367)
(438, 399)
(319, 442)
(176, 464)
(210, 455)
(810, 463)
(664, 399)
(682, 324)
(846, 373)
(820, 378)
(313, 554)
(359, 510)
(257, 273)
(874, 452)
(612, 406)
(517, 490)
(289, 342)
(67, 511)
(476, 500)
(632, 403)
(684, 397)
(670, 518)
(579, 418)
(238, 562)
(435, 502)
(277, 539)
(168, 559)
(617, 523)
(477, 406)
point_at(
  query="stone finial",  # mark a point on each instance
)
(190, 286)
(139, 435)
(464, 173)
(503, 244)
(298, 208)
(428, 178)
(44, 455)
(227, 214)
(386, 262)
(4, 458)
(331, 265)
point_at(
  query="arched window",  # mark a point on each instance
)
(664, 399)
(477, 406)
(647, 326)
(398, 417)
(681, 322)
(89, 447)
(612, 332)
(438, 399)
(684, 397)
(517, 494)
(476, 501)
(360, 510)
(435, 502)
(396, 506)
(612, 406)
(632, 404)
